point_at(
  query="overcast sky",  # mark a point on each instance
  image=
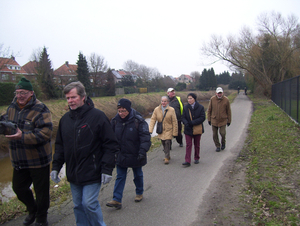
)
(162, 34)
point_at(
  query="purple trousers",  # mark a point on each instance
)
(189, 145)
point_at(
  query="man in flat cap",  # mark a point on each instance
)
(218, 116)
(176, 103)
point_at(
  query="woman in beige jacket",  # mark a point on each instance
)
(169, 125)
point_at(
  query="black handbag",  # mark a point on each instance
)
(159, 125)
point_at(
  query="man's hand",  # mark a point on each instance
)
(16, 136)
(54, 176)
(141, 157)
(105, 178)
(209, 123)
(228, 123)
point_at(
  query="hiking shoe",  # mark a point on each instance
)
(29, 219)
(196, 162)
(218, 150)
(181, 145)
(138, 198)
(166, 161)
(223, 147)
(115, 204)
(186, 164)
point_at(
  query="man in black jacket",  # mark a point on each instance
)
(176, 103)
(87, 144)
(132, 132)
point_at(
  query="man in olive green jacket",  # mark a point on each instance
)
(218, 116)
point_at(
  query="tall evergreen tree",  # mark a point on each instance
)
(83, 74)
(224, 78)
(212, 79)
(45, 75)
(110, 86)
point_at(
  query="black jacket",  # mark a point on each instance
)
(198, 115)
(174, 103)
(134, 138)
(87, 144)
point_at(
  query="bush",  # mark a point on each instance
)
(7, 90)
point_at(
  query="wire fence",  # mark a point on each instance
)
(286, 95)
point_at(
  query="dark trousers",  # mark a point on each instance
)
(21, 182)
(179, 136)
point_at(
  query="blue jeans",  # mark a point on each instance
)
(87, 209)
(121, 179)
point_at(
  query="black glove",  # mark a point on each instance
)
(190, 123)
(141, 157)
(228, 123)
(209, 123)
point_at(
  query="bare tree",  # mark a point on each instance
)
(268, 57)
(6, 52)
(98, 67)
(145, 73)
(36, 54)
(131, 66)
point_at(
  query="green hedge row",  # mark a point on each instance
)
(7, 90)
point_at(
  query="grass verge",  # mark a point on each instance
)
(272, 152)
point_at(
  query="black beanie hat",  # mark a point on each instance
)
(24, 84)
(125, 104)
(192, 95)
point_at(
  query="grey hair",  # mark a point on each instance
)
(79, 87)
(166, 98)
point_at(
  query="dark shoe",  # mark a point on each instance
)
(41, 224)
(181, 145)
(115, 204)
(29, 219)
(223, 147)
(186, 164)
(196, 162)
(218, 150)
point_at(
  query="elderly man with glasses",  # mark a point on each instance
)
(30, 151)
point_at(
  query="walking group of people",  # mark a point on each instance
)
(90, 145)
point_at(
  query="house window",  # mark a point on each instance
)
(13, 77)
(5, 77)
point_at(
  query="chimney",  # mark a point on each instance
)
(13, 58)
(67, 63)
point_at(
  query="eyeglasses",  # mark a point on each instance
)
(21, 93)
(122, 111)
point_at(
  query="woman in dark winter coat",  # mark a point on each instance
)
(134, 139)
(193, 117)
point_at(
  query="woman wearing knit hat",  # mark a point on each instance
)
(134, 139)
(193, 117)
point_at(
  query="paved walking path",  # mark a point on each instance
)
(172, 193)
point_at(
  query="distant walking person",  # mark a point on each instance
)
(165, 114)
(193, 117)
(218, 116)
(30, 151)
(87, 144)
(245, 90)
(132, 132)
(175, 102)
(238, 90)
